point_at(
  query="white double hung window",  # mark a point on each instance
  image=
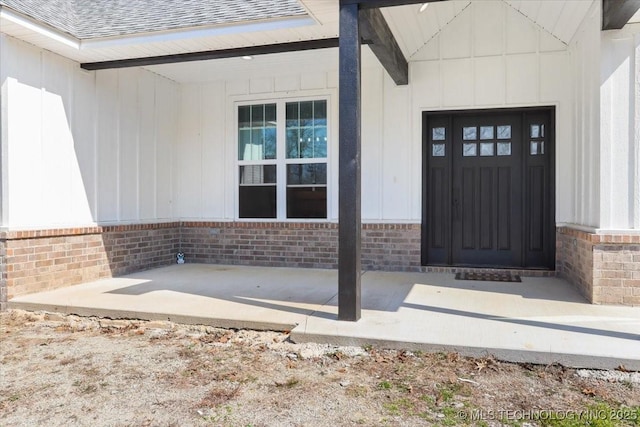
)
(282, 160)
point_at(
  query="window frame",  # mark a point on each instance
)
(281, 161)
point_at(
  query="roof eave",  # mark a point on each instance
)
(165, 36)
(197, 32)
(39, 27)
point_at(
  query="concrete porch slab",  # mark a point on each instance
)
(214, 295)
(541, 320)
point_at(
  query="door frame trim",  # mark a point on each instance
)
(550, 231)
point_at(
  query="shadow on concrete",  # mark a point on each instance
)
(290, 290)
(524, 322)
(281, 289)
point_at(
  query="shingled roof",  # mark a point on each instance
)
(88, 19)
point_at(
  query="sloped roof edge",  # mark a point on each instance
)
(95, 19)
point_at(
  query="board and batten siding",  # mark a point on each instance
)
(619, 131)
(83, 147)
(488, 56)
(492, 56)
(122, 146)
(581, 178)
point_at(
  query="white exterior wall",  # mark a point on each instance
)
(489, 56)
(581, 172)
(620, 129)
(492, 56)
(127, 145)
(80, 147)
(206, 153)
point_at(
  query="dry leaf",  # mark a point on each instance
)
(224, 339)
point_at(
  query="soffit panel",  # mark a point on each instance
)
(413, 29)
(288, 65)
(560, 18)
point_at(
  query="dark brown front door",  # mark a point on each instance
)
(488, 189)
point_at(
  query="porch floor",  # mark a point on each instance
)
(541, 320)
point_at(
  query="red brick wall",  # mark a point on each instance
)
(259, 243)
(391, 247)
(616, 276)
(3, 275)
(310, 245)
(605, 268)
(39, 260)
(574, 259)
(140, 247)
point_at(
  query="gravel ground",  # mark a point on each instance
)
(67, 370)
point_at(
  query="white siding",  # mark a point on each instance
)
(397, 159)
(188, 159)
(107, 145)
(85, 179)
(577, 176)
(513, 63)
(488, 56)
(372, 143)
(205, 162)
(148, 150)
(127, 166)
(4, 119)
(128, 145)
(24, 134)
(83, 147)
(166, 113)
(620, 129)
(636, 132)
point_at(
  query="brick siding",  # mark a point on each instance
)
(3, 275)
(605, 268)
(616, 276)
(39, 260)
(574, 259)
(392, 247)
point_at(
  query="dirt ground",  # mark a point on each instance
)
(67, 370)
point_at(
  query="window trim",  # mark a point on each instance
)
(281, 161)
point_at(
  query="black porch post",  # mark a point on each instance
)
(349, 229)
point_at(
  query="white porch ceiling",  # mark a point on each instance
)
(561, 19)
(413, 29)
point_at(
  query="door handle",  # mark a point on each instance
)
(456, 204)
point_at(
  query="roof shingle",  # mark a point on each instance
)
(87, 19)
